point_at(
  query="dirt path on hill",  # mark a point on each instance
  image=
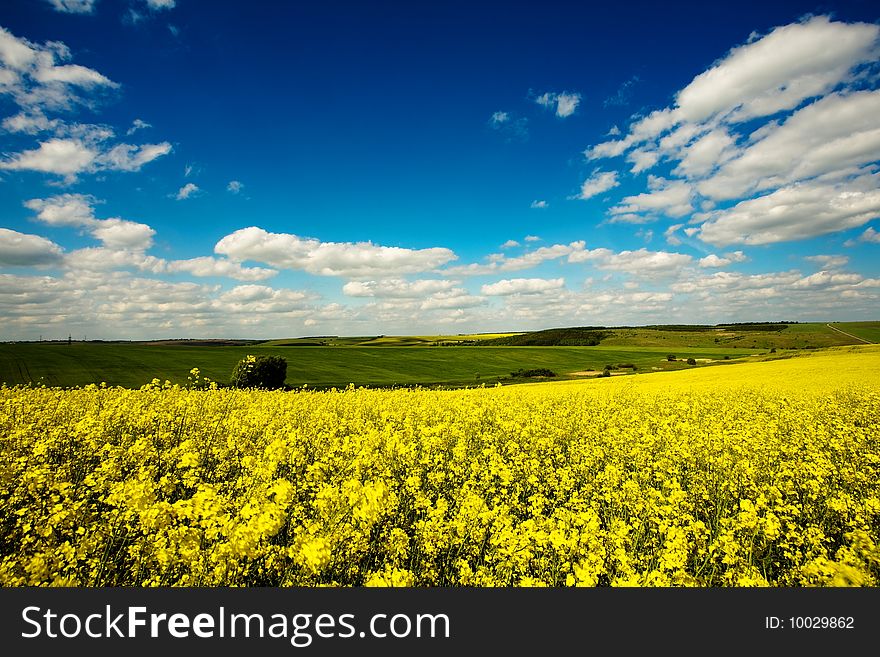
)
(855, 337)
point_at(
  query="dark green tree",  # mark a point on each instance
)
(267, 372)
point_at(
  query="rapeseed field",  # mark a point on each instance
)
(764, 474)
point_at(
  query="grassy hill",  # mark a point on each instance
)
(326, 361)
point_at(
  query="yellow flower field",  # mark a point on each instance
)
(738, 475)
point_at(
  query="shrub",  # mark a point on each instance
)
(691, 361)
(670, 357)
(532, 373)
(267, 372)
(605, 373)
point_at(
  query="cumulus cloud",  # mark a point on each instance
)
(397, 288)
(828, 261)
(838, 132)
(234, 187)
(186, 191)
(598, 183)
(207, 266)
(795, 212)
(641, 262)
(38, 80)
(23, 250)
(36, 77)
(499, 262)
(671, 198)
(511, 286)
(532, 238)
(510, 244)
(564, 103)
(536, 204)
(77, 210)
(65, 157)
(348, 259)
(713, 260)
(780, 116)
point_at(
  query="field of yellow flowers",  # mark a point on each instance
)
(740, 475)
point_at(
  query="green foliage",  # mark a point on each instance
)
(567, 337)
(268, 372)
(670, 357)
(691, 361)
(526, 374)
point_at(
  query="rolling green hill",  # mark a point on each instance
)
(418, 360)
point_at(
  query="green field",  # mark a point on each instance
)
(133, 365)
(325, 361)
(869, 331)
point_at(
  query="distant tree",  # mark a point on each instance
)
(267, 372)
(670, 357)
(691, 361)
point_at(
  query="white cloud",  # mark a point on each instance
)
(349, 259)
(829, 261)
(234, 187)
(207, 266)
(796, 212)
(186, 191)
(104, 259)
(670, 235)
(24, 250)
(38, 81)
(509, 244)
(532, 238)
(642, 159)
(539, 204)
(499, 118)
(835, 133)
(73, 6)
(35, 77)
(30, 123)
(69, 157)
(780, 70)
(511, 286)
(64, 209)
(122, 234)
(639, 263)
(672, 198)
(827, 279)
(499, 262)
(128, 157)
(136, 125)
(513, 127)
(703, 155)
(565, 103)
(77, 210)
(66, 157)
(786, 111)
(397, 288)
(598, 183)
(870, 236)
(713, 260)
(161, 4)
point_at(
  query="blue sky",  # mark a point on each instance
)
(173, 168)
